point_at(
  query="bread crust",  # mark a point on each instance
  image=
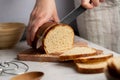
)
(111, 75)
(92, 59)
(116, 67)
(90, 71)
(111, 71)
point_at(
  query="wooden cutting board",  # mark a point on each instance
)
(39, 55)
(35, 55)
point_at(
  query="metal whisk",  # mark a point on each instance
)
(13, 67)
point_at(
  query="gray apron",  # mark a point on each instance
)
(101, 25)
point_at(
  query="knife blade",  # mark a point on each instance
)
(73, 15)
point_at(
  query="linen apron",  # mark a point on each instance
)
(101, 25)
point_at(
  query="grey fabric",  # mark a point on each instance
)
(101, 25)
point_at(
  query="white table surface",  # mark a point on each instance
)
(52, 70)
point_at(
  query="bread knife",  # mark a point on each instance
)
(73, 15)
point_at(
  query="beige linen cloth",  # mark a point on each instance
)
(101, 25)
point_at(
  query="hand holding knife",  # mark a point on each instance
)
(73, 14)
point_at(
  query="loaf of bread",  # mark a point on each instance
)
(54, 38)
(77, 52)
(91, 68)
(92, 59)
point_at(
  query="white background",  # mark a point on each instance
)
(19, 10)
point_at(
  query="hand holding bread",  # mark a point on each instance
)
(43, 11)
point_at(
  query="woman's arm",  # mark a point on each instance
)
(43, 11)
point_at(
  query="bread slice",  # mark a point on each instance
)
(111, 75)
(91, 68)
(116, 64)
(92, 59)
(111, 70)
(55, 38)
(76, 52)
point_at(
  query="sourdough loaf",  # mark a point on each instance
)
(54, 37)
(92, 59)
(76, 52)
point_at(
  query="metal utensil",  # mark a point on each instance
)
(13, 67)
(73, 15)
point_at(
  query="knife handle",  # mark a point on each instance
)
(73, 15)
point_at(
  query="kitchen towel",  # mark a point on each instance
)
(101, 25)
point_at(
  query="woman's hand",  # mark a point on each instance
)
(89, 4)
(44, 11)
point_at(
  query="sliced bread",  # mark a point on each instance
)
(55, 38)
(116, 64)
(111, 75)
(111, 71)
(91, 68)
(76, 52)
(92, 59)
